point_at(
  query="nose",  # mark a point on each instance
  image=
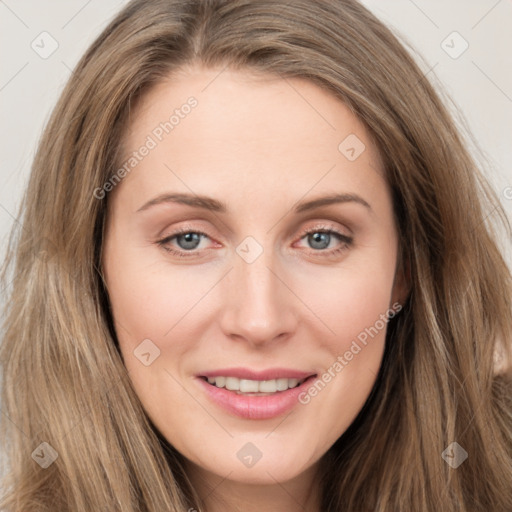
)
(258, 306)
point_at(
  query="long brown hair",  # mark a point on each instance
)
(64, 382)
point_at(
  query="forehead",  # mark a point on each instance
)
(248, 132)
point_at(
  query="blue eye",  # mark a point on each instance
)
(319, 239)
(187, 241)
(190, 240)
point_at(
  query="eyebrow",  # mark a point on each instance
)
(214, 205)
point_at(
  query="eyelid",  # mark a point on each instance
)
(325, 226)
(187, 228)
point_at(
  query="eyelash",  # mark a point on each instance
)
(347, 241)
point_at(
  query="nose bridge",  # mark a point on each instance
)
(258, 306)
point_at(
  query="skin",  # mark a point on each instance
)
(259, 144)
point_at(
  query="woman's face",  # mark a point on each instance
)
(250, 248)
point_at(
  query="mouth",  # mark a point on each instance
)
(255, 395)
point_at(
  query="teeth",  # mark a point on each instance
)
(220, 382)
(249, 386)
(254, 386)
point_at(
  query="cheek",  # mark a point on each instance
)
(353, 296)
(151, 305)
(149, 296)
(354, 303)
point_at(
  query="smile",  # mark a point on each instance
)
(255, 395)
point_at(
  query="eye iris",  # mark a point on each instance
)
(191, 240)
(322, 239)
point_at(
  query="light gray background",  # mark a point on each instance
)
(479, 81)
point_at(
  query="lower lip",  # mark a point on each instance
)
(255, 407)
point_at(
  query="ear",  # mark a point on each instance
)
(502, 358)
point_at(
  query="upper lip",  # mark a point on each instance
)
(268, 374)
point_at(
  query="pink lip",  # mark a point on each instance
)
(256, 407)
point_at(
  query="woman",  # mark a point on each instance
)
(178, 335)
